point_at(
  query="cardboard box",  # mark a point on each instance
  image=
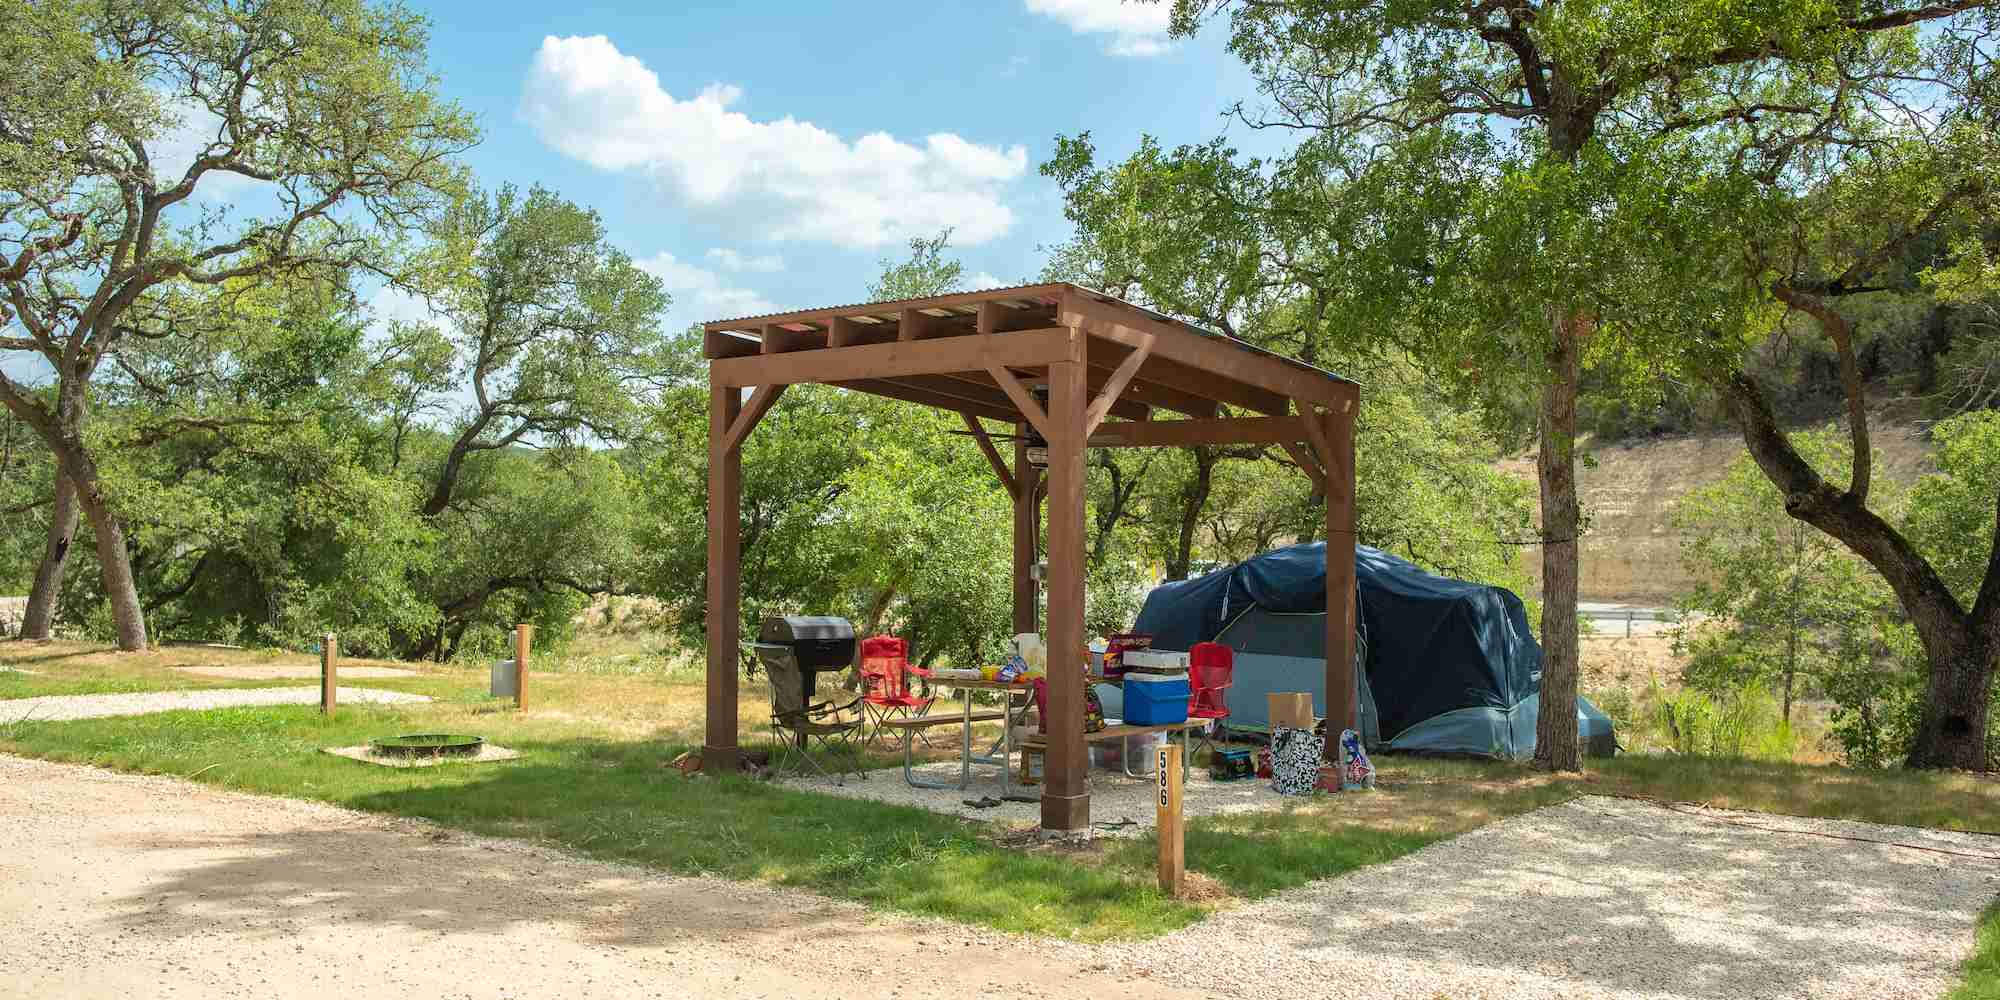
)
(1291, 708)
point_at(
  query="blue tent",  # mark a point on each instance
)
(1448, 666)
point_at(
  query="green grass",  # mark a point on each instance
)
(1982, 970)
(619, 800)
(594, 779)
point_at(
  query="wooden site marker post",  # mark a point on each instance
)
(329, 667)
(1173, 855)
(523, 639)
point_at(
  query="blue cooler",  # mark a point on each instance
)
(1155, 699)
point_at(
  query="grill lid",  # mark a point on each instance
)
(800, 628)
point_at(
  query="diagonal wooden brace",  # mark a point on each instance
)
(1113, 386)
(1022, 398)
(759, 404)
(992, 454)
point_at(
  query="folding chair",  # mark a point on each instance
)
(1211, 669)
(801, 723)
(885, 673)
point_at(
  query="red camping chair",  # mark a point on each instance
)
(1211, 669)
(885, 674)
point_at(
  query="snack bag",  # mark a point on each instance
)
(1356, 770)
(1012, 669)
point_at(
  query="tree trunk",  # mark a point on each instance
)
(41, 614)
(116, 561)
(1957, 700)
(1195, 498)
(1556, 745)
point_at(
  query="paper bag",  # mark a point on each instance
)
(1291, 708)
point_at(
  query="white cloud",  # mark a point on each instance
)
(985, 280)
(1136, 29)
(791, 179)
(701, 294)
(732, 260)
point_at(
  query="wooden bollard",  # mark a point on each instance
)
(523, 639)
(1173, 852)
(329, 669)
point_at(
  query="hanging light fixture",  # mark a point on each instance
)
(1038, 447)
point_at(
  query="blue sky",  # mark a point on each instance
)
(769, 156)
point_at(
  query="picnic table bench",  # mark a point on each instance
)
(1040, 743)
(910, 726)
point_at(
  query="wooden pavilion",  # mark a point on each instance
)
(1109, 369)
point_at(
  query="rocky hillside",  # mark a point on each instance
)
(1632, 552)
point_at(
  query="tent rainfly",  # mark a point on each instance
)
(1447, 666)
(1073, 367)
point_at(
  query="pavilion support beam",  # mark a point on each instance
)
(1027, 534)
(1303, 458)
(1267, 373)
(1122, 407)
(992, 454)
(1189, 433)
(915, 324)
(1066, 792)
(760, 404)
(778, 340)
(725, 553)
(1024, 399)
(1020, 349)
(1343, 709)
(893, 389)
(1181, 388)
(1107, 396)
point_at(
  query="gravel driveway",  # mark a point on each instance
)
(115, 887)
(1617, 899)
(97, 706)
(120, 886)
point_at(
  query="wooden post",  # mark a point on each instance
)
(1027, 529)
(725, 552)
(329, 668)
(1343, 710)
(1173, 847)
(524, 636)
(1066, 787)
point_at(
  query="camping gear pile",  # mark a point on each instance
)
(1447, 666)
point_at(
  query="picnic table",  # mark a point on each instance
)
(966, 758)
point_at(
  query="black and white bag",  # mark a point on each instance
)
(1295, 760)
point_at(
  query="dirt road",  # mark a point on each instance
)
(121, 887)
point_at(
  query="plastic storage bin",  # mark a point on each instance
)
(1156, 700)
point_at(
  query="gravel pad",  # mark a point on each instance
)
(1614, 898)
(1118, 805)
(96, 706)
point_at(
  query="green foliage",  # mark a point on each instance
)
(1742, 722)
(1950, 513)
(926, 272)
(1778, 603)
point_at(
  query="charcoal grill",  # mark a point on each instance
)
(812, 642)
(793, 650)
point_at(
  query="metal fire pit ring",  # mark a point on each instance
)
(428, 745)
